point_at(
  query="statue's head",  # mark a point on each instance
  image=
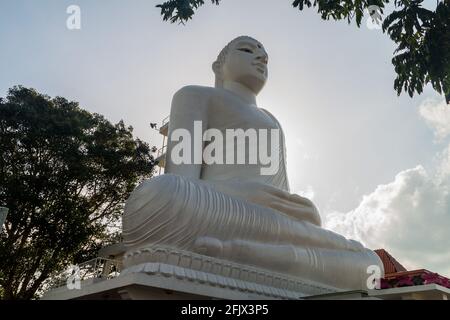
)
(243, 60)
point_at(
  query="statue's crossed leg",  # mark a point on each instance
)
(318, 264)
(192, 216)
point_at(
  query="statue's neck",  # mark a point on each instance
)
(241, 91)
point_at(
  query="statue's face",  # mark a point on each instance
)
(246, 63)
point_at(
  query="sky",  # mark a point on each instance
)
(376, 165)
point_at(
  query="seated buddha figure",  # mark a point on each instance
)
(234, 210)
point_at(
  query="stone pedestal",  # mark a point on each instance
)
(175, 274)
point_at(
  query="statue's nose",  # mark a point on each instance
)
(263, 58)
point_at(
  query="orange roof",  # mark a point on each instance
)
(390, 264)
(396, 275)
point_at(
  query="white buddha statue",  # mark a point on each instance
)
(232, 211)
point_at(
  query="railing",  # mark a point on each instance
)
(98, 268)
(165, 120)
(160, 156)
(161, 151)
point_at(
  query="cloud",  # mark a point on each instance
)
(409, 216)
(443, 169)
(308, 193)
(437, 116)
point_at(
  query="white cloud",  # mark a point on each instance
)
(308, 193)
(444, 167)
(410, 216)
(437, 115)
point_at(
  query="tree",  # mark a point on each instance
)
(422, 36)
(64, 175)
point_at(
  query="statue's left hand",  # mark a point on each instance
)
(292, 205)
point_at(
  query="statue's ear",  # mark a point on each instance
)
(216, 68)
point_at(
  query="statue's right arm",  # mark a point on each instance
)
(189, 104)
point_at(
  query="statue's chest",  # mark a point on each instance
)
(233, 114)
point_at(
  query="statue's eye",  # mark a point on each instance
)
(245, 50)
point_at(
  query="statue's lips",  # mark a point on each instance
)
(260, 67)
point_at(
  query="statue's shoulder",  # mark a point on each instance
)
(194, 90)
(191, 97)
(271, 116)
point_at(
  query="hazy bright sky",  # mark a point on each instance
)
(376, 165)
